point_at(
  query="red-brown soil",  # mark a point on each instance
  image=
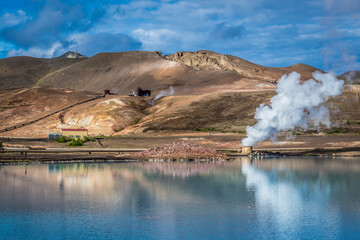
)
(179, 150)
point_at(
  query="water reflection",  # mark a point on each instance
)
(271, 198)
(306, 195)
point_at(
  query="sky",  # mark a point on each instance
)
(279, 33)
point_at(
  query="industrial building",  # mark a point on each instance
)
(53, 136)
(74, 133)
(140, 92)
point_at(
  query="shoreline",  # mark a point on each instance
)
(70, 155)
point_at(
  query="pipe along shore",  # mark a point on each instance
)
(63, 155)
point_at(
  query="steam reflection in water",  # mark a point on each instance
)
(286, 198)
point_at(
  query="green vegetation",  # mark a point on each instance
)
(87, 139)
(336, 130)
(348, 122)
(76, 142)
(311, 131)
(295, 133)
(211, 129)
(1, 146)
(100, 136)
(137, 120)
(206, 129)
(62, 139)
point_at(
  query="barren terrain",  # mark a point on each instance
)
(215, 98)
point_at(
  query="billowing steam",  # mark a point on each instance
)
(295, 105)
(165, 93)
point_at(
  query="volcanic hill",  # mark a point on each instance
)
(212, 91)
(124, 71)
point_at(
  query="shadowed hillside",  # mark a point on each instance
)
(26, 71)
(351, 77)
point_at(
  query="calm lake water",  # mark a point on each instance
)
(277, 198)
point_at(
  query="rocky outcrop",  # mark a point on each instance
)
(208, 60)
(71, 54)
(351, 77)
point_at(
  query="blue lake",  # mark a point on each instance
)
(277, 198)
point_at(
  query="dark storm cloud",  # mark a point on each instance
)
(224, 32)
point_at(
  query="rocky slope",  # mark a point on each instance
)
(351, 77)
(71, 54)
(208, 60)
(26, 104)
(122, 115)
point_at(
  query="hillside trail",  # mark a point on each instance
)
(48, 115)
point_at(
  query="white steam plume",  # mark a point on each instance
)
(164, 93)
(295, 105)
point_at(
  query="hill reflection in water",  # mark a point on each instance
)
(283, 198)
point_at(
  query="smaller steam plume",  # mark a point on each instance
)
(165, 93)
(295, 105)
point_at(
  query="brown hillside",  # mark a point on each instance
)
(19, 105)
(208, 60)
(351, 77)
(216, 110)
(26, 71)
(121, 115)
(124, 71)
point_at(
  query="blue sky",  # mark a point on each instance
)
(321, 33)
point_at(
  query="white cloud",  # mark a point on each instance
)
(54, 50)
(11, 19)
(157, 39)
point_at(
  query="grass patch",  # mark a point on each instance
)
(137, 120)
(62, 139)
(100, 136)
(208, 129)
(76, 142)
(336, 130)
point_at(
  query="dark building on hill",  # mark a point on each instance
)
(143, 93)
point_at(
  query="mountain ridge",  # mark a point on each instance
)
(124, 71)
